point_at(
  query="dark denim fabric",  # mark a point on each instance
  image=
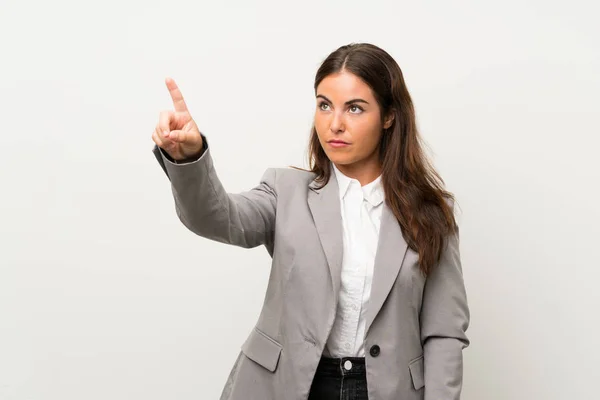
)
(333, 381)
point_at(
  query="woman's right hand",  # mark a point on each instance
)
(176, 131)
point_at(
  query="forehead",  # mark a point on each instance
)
(342, 86)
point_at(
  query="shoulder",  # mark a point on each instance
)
(284, 178)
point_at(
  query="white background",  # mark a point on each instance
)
(104, 294)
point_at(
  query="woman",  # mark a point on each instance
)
(366, 298)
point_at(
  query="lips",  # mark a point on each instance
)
(336, 144)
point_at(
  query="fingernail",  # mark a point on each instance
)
(166, 133)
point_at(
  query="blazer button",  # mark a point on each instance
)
(375, 350)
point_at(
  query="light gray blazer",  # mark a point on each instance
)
(418, 324)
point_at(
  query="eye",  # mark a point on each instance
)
(321, 104)
(356, 107)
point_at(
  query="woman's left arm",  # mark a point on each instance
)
(444, 322)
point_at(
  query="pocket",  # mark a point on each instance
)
(262, 349)
(417, 372)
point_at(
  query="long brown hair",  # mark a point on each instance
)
(414, 191)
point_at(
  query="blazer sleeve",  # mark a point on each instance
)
(444, 322)
(245, 219)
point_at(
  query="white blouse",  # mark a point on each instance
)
(361, 209)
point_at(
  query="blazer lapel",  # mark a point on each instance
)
(324, 205)
(391, 249)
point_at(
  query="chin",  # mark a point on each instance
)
(341, 159)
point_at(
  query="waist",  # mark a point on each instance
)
(344, 366)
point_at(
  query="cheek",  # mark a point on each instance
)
(319, 130)
(320, 126)
(368, 132)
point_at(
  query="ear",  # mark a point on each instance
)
(388, 120)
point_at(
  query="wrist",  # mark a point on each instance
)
(193, 157)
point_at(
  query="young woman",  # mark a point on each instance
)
(366, 298)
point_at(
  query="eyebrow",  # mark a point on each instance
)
(346, 103)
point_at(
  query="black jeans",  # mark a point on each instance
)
(340, 379)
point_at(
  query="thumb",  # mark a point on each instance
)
(182, 137)
(177, 136)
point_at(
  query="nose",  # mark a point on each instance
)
(336, 124)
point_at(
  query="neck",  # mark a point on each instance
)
(364, 172)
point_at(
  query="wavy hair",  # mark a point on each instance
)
(414, 191)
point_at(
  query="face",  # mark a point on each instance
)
(348, 122)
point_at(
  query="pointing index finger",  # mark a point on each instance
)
(176, 95)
